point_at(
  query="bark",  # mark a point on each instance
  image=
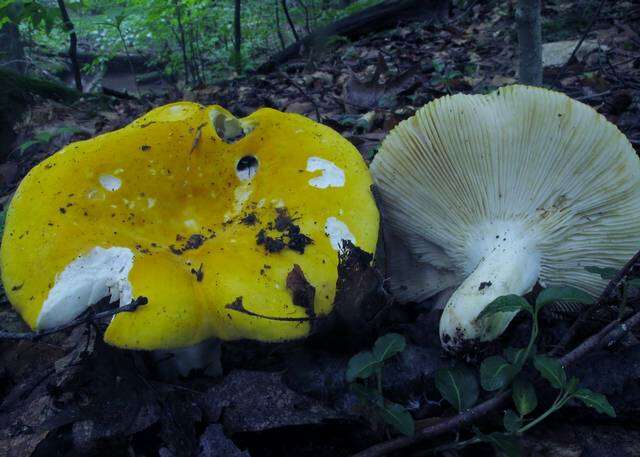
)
(529, 41)
(289, 20)
(304, 7)
(128, 54)
(11, 50)
(183, 44)
(237, 36)
(195, 70)
(73, 44)
(278, 29)
(382, 16)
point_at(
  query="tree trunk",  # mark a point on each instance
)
(289, 20)
(183, 43)
(278, 29)
(237, 37)
(529, 42)
(128, 54)
(379, 17)
(11, 50)
(304, 7)
(73, 44)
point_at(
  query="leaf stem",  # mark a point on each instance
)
(532, 340)
(559, 402)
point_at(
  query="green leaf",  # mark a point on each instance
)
(524, 396)
(515, 356)
(570, 294)
(572, 385)
(388, 345)
(367, 395)
(505, 304)
(361, 365)
(504, 443)
(551, 369)
(398, 417)
(596, 401)
(496, 373)
(511, 421)
(634, 282)
(458, 386)
(604, 272)
(26, 145)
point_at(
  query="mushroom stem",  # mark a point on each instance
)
(510, 267)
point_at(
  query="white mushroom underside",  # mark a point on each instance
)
(464, 167)
(85, 281)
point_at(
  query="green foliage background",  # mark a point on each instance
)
(151, 28)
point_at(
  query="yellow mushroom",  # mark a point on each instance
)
(203, 214)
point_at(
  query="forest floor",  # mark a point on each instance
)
(69, 394)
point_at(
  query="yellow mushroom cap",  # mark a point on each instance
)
(167, 209)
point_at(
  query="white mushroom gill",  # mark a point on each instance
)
(519, 185)
(89, 278)
(332, 175)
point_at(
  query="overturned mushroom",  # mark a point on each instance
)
(492, 193)
(197, 211)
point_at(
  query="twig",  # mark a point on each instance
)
(467, 8)
(442, 427)
(304, 94)
(592, 96)
(607, 336)
(118, 94)
(237, 305)
(579, 322)
(584, 35)
(87, 317)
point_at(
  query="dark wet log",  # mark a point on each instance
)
(384, 15)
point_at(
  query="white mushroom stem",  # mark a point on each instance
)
(509, 267)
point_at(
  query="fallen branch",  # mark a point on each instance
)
(381, 16)
(304, 94)
(573, 330)
(582, 38)
(605, 337)
(118, 94)
(89, 316)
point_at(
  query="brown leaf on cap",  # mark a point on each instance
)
(302, 291)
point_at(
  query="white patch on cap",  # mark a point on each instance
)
(95, 194)
(337, 231)
(191, 224)
(89, 278)
(151, 202)
(110, 182)
(241, 194)
(332, 175)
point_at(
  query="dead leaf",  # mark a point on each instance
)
(302, 291)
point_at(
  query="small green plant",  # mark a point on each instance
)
(45, 137)
(443, 75)
(459, 385)
(367, 366)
